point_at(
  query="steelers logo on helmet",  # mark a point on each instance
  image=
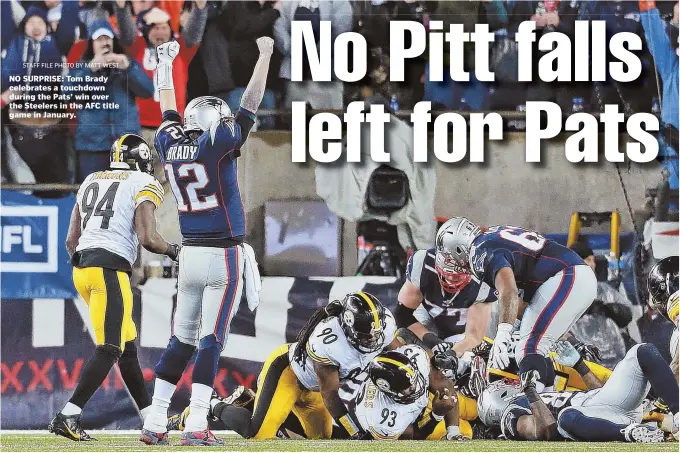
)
(144, 151)
(348, 318)
(383, 385)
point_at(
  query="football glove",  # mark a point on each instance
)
(500, 351)
(447, 363)
(589, 352)
(528, 379)
(166, 52)
(442, 347)
(566, 354)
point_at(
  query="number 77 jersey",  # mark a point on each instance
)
(201, 171)
(532, 258)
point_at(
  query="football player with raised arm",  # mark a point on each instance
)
(199, 157)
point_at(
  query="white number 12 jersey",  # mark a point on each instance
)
(107, 201)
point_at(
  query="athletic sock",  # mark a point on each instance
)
(71, 409)
(157, 417)
(95, 371)
(199, 406)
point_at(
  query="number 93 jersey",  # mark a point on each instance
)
(532, 258)
(381, 415)
(107, 201)
(328, 345)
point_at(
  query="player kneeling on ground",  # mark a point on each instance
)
(304, 378)
(610, 413)
(115, 211)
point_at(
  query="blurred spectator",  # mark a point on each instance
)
(664, 50)
(320, 95)
(12, 14)
(36, 51)
(610, 312)
(622, 16)
(472, 95)
(549, 16)
(230, 42)
(99, 125)
(153, 28)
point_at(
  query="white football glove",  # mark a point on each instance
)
(566, 354)
(500, 351)
(265, 45)
(167, 52)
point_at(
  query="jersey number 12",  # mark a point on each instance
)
(193, 186)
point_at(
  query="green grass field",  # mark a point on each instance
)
(128, 442)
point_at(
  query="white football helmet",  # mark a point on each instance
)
(203, 111)
(494, 399)
(452, 252)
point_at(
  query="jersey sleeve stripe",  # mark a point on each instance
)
(155, 189)
(317, 358)
(147, 195)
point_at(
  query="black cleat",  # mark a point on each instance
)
(69, 427)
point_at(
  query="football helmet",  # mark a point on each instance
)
(452, 252)
(494, 399)
(662, 284)
(397, 376)
(203, 111)
(363, 321)
(131, 152)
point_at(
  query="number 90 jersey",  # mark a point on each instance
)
(379, 414)
(328, 345)
(532, 258)
(107, 201)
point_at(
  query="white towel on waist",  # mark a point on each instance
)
(251, 275)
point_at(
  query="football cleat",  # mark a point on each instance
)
(203, 438)
(69, 427)
(151, 438)
(178, 421)
(644, 434)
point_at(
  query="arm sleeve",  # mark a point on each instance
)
(193, 31)
(414, 268)
(152, 192)
(245, 119)
(127, 29)
(170, 123)
(65, 35)
(658, 43)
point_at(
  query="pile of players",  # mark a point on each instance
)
(359, 372)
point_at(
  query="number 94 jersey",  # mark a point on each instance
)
(328, 345)
(532, 258)
(107, 201)
(378, 413)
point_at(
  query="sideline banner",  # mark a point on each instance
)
(45, 343)
(35, 263)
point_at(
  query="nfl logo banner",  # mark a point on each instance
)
(34, 261)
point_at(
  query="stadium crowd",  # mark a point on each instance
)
(117, 39)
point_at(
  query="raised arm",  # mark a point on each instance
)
(127, 29)
(166, 53)
(254, 92)
(541, 424)
(195, 26)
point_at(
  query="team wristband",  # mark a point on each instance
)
(452, 431)
(164, 76)
(581, 367)
(346, 422)
(437, 417)
(431, 340)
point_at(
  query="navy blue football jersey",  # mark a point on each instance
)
(555, 401)
(202, 176)
(532, 258)
(449, 310)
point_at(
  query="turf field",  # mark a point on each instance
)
(128, 442)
